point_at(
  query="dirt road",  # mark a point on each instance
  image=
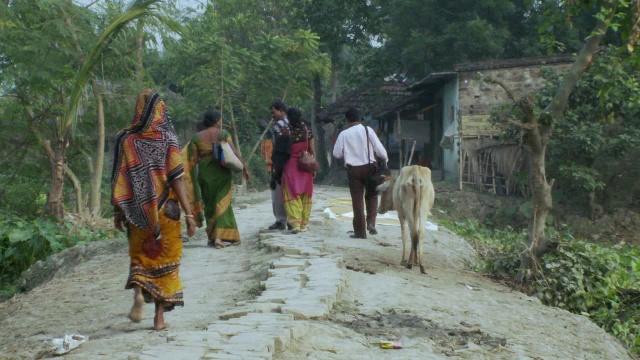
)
(450, 312)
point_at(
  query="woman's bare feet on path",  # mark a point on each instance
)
(164, 326)
(158, 319)
(219, 244)
(135, 314)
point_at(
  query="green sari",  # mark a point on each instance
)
(213, 189)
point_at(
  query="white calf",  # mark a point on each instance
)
(412, 195)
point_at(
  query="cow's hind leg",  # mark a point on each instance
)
(414, 257)
(403, 231)
(420, 241)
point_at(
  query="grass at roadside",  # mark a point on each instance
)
(596, 280)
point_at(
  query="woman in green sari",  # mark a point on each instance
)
(211, 182)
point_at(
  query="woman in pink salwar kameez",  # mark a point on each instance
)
(297, 185)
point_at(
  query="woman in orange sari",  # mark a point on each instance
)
(147, 191)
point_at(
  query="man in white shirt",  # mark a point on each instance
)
(359, 145)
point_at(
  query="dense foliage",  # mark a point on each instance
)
(599, 281)
(23, 242)
(593, 153)
(431, 35)
(234, 59)
(236, 56)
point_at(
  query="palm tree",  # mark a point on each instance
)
(65, 127)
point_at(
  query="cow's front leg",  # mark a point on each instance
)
(403, 231)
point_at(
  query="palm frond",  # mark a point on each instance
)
(137, 9)
(173, 25)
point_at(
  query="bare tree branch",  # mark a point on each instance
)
(519, 124)
(92, 3)
(510, 93)
(583, 60)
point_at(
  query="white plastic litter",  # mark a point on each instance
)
(330, 213)
(68, 343)
(393, 215)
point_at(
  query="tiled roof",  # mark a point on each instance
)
(373, 98)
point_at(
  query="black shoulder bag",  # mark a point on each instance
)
(378, 168)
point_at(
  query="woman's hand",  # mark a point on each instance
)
(118, 219)
(191, 225)
(118, 222)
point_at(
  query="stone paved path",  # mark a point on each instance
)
(317, 295)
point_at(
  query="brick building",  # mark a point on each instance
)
(443, 120)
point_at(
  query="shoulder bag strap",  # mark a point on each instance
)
(366, 132)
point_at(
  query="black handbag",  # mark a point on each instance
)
(379, 169)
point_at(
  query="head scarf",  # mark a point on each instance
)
(146, 160)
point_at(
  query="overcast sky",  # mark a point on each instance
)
(182, 4)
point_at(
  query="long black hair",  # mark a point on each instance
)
(295, 117)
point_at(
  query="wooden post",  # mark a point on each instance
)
(237, 141)
(399, 139)
(255, 147)
(412, 150)
(461, 161)
(493, 175)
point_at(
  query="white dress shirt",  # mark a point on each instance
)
(352, 146)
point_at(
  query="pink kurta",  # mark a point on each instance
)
(298, 182)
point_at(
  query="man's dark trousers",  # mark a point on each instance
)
(359, 186)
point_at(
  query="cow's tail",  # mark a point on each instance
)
(418, 229)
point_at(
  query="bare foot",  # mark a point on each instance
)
(159, 327)
(158, 319)
(135, 314)
(219, 244)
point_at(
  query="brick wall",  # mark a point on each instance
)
(478, 98)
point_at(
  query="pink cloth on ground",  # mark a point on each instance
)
(297, 181)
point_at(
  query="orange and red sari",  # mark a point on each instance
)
(147, 160)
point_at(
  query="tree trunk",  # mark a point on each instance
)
(539, 128)
(541, 203)
(98, 164)
(96, 168)
(55, 205)
(77, 187)
(334, 82)
(140, 52)
(321, 145)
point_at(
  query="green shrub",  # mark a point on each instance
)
(599, 281)
(596, 280)
(23, 242)
(24, 196)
